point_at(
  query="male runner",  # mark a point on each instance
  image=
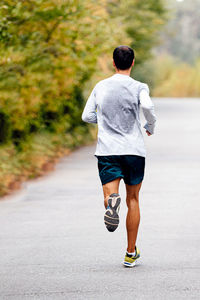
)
(115, 104)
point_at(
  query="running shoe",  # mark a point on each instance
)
(111, 217)
(129, 260)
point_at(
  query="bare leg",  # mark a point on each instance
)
(133, 215)
(110, 188)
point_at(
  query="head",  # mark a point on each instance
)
(123, 58)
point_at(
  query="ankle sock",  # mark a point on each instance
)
(131, 253)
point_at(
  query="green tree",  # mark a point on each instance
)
(141, 20)
(48, 50)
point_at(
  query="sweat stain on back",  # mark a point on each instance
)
(118, 110)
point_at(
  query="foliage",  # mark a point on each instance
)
(141, 20)
(48, 50)
(176, 79)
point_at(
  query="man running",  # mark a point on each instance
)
(115, 104)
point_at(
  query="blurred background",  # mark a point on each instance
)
(53, 52)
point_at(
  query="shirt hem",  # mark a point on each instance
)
(108, 154)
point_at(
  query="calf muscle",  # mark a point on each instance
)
(133, 215)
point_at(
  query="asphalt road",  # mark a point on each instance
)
(53, 243)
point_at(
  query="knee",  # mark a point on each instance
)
(132, 202)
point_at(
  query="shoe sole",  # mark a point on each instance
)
(130, 265)
(111, 217)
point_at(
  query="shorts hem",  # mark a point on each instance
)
(110, 180)
(135, 182)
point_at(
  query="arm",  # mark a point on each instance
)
(89, 114)
(148, 111)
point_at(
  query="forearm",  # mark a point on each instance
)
(150, 125)
(148, 111)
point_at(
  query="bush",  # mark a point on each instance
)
(176, 79)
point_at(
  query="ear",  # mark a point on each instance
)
(114, 63)
(133, 63)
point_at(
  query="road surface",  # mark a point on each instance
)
(53, 243)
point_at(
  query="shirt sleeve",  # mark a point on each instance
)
(89, 114)
(147, 108)
(143, 86)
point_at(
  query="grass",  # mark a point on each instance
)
(37, 156)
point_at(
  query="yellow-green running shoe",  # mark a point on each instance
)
(129, 260)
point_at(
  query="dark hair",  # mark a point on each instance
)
(123, 57)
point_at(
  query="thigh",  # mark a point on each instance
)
(109, 168)
(133, 169)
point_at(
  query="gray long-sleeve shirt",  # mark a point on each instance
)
(115, 104)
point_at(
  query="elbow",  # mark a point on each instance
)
(84, 118)
(147, 107)
(89, 118)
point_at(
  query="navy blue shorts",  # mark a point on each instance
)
(129, 167)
